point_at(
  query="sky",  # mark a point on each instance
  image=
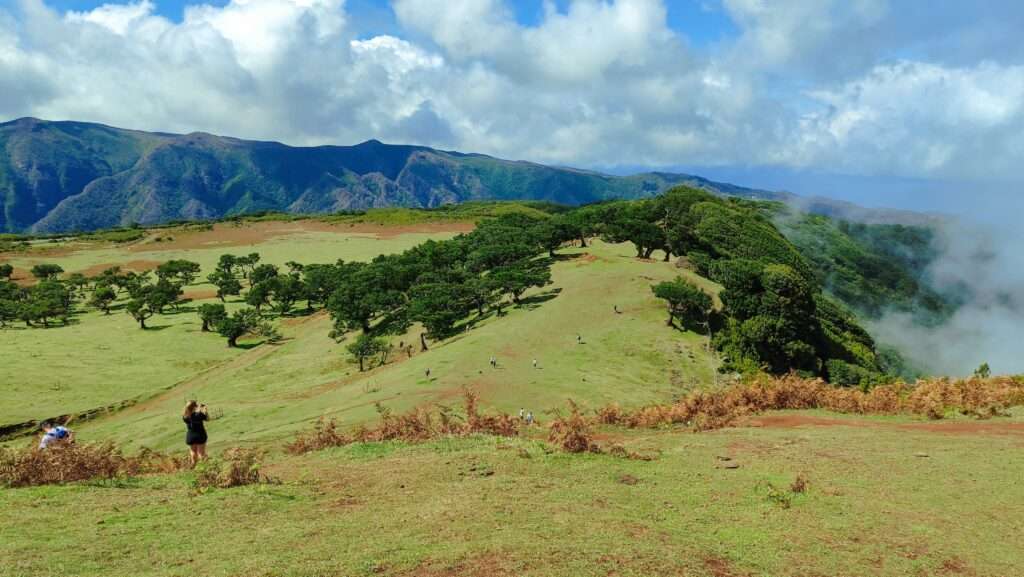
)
(904, 103)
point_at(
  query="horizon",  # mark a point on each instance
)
(728, 175)
(774, 98)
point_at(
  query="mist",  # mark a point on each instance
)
(980, 240)
(981, 262)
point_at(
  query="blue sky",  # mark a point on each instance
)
(703, 21)
(904, 103)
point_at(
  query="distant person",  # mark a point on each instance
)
(529, 418)
(494, 363)
(427, 372)
(535, 363)
(617, 311)
(55, 436)
(522, 414)
(195, 431)
(579, 339)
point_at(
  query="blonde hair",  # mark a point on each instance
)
(190, 407)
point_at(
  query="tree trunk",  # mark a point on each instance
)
(639, 251)
(221, 297)
(142, 323)
(551, 253)
(583, 241)
(206, 326)
(232, 342)
(361, 369)
(668, 255)
(423, 341)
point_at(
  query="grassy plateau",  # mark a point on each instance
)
(792, 493)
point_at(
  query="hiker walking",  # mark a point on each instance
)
(522, 414)
(494, 362)
(529, 418)
(427, 372)
(616, 308)
(535, 363)
(55, 436)
(194, 416)
(579, 339)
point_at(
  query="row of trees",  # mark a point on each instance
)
(774, 315)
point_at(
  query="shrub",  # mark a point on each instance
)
(79, 462)
(325, 434)
(236, 467)
(705, 410)
(572, 434)
(416, 425)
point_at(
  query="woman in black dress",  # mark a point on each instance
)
(195, 434)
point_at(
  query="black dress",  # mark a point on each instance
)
(196, 433)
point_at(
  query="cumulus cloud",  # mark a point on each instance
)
(918, 119)
(829, 84)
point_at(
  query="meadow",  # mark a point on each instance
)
(269, 391)
(791, 493)
(882, 498)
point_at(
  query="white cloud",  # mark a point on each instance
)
(918, 119)
(600, 83)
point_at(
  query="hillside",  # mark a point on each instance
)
(601, 293)
(272, 390)
(76, 176)
(770, 494)
(63, 176)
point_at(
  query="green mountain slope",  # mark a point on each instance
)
(68, 176)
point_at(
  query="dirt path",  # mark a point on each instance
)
(795, 420)
(246, 359)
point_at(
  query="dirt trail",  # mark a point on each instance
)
(246, 359)
(791, 420)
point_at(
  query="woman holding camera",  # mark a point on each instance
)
(195, 435)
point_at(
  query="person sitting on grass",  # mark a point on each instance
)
(55, 436)
(195, 431)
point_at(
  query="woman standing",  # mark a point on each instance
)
(195, 434)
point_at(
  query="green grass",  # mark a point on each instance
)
(99, 361)
(484, 506)
(481, 506)
(270, 392)
(103, 359)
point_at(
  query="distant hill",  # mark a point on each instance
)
(76, 176)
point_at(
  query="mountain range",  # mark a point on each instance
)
(63, 176)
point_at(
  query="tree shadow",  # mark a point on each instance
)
(157, 328)
(560, 257)
(534, 301)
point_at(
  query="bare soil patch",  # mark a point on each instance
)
(486, 565)
(22, 277)
(132, 265)
(720, 567)
(201, 295)
(224, 235)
